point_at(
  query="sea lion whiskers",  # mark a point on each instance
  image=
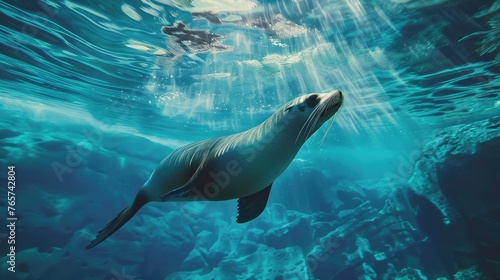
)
(332, 120)
(326, 132)
(321, 108)
(320, 112)
(312, 120)
(307, 123)
(312, 123)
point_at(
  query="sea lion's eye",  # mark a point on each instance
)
(288, 109)
(312, 100)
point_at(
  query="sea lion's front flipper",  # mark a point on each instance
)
(183, 191)
(250, 207)
(186, 189)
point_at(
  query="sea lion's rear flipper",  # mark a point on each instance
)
(120, 219)
(250, 207)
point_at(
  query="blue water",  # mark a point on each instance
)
(94, 95)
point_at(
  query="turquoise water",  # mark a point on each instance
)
(94, 95)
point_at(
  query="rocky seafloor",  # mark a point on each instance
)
(444, 223)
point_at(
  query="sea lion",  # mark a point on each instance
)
(241, 166)
(194, 41)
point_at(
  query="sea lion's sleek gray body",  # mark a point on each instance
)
(241, 166)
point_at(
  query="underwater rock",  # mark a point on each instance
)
(205, 239)
(296, 233)
(410, 273)
(55, 265)
(168, 233)
(178, 232)
(453, 149)
(194, 261)
(255, 235)
(317, 197)
(235, 236)
(278, 214)
(196, 258)
(468, 273)
(275, 214)
(351, 194)
(365, 241)
(195, 214)
(220, 249)
(264, 263)
(246, 247)
(323, 223)
(369, 273)
(454, 188)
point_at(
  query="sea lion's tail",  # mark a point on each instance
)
(122, 218)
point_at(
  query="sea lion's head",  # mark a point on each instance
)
(310, 111)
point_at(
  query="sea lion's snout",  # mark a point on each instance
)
(333, 100)
(341, 97)
(335, 97)
(337, 94)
